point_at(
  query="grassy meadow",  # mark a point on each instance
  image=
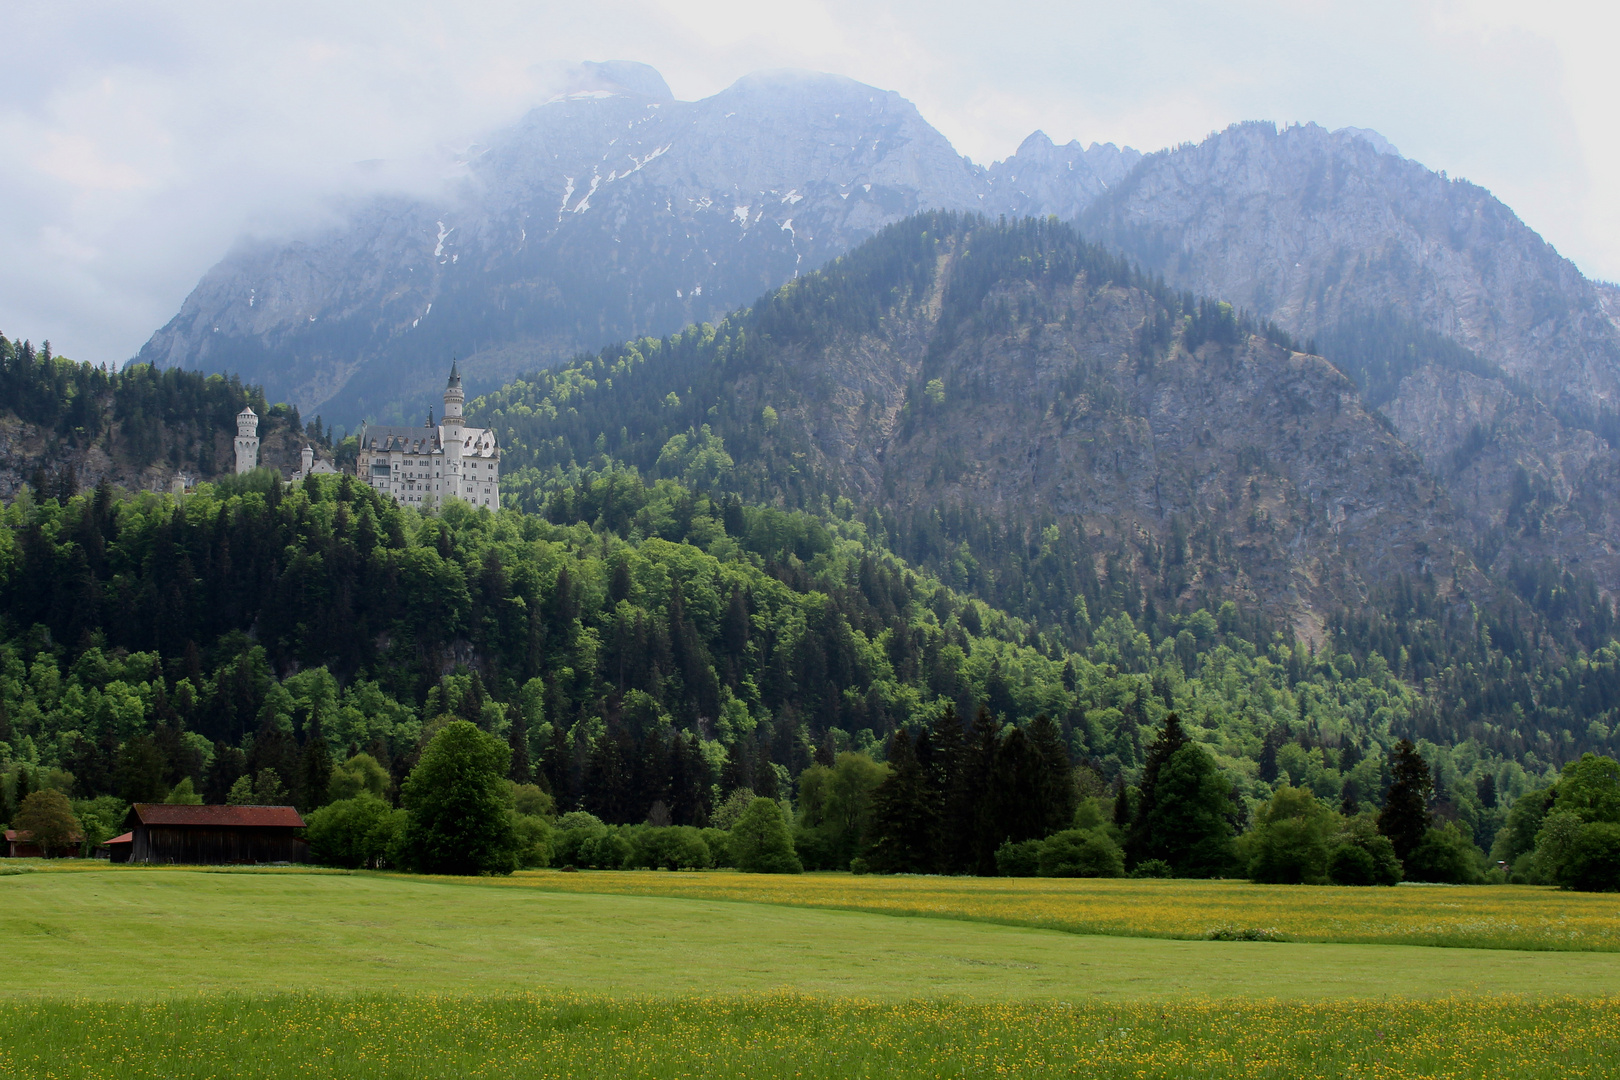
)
(1478, 917)
(788, 1035)
(172, 972)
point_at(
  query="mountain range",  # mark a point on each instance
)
(1441, 398)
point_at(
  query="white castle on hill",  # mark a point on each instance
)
(424, 466)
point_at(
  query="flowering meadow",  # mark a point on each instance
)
(1483, 917)
(789, 1035)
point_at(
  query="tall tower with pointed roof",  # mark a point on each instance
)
(454, 398)
(247, 440)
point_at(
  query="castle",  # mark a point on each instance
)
(424, 466)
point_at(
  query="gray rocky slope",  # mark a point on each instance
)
(616, 211)
(1323, 231)
(610, 212)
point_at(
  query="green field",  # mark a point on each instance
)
(137, 972)
(195, 930)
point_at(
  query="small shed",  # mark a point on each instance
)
(164, 833)
(119, 847)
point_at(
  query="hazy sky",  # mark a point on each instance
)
(139, 139)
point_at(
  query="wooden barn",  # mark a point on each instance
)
(161, 833)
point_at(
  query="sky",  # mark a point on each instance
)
(139, 140)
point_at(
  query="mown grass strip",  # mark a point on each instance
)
(788, 1035)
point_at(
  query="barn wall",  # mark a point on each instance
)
(212, 845)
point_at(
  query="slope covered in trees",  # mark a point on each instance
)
(67, 424)
(1038, 425)
(679, 649)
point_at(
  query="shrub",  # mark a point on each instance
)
(1445, 856)
(1592, 863)
(1081, 853)
(1151, 868)
(669, 847)
(355, 833)
(534, 840)
(818, 850)
(718, 841)
(1290, 842)
(573, 830)
(1375, 865)
(1350, 865)
(1022, 859)
(606, 850)
(760, 841)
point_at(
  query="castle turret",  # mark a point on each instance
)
(454, 398)
(247, 440)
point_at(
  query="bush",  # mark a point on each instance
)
(1019, 860)
(1375, 864)
(760, 841)
(1291, 840)
(817, 850)
(718, 842)
(354, 833)
(1350, 865)
(572, 831)
(534, 840)
(1592, 863)
(1447, 857)
(1082, 853)
(669, 847)
(1151, 868)
(606, 850)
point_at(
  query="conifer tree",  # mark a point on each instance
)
(1405, 816)
(1140, 844)
(315, 772)
(1054, 775)
(517, 738)
(905, 815)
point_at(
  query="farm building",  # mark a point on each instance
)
(161, 833)
(118, 848)
(20, 845)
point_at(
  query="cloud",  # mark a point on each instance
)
(144, 138)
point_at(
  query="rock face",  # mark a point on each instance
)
(610, 212)
(1318, 230)
(1310, 228)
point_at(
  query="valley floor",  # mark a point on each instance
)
(136, 972)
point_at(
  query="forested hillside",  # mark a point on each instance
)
(64, 424)
(1039, 425)
(654, 644)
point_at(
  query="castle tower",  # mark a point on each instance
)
(247, 440)
(454, 398)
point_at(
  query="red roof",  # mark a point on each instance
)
(23, 836)
(127, 838)
(226, 816)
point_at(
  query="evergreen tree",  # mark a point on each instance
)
(1188, 824)
(905, 815)
(1140, 843)
(1405, 816)
(976, 797)
(1055, 775)
(315, 771)
(517, 738)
